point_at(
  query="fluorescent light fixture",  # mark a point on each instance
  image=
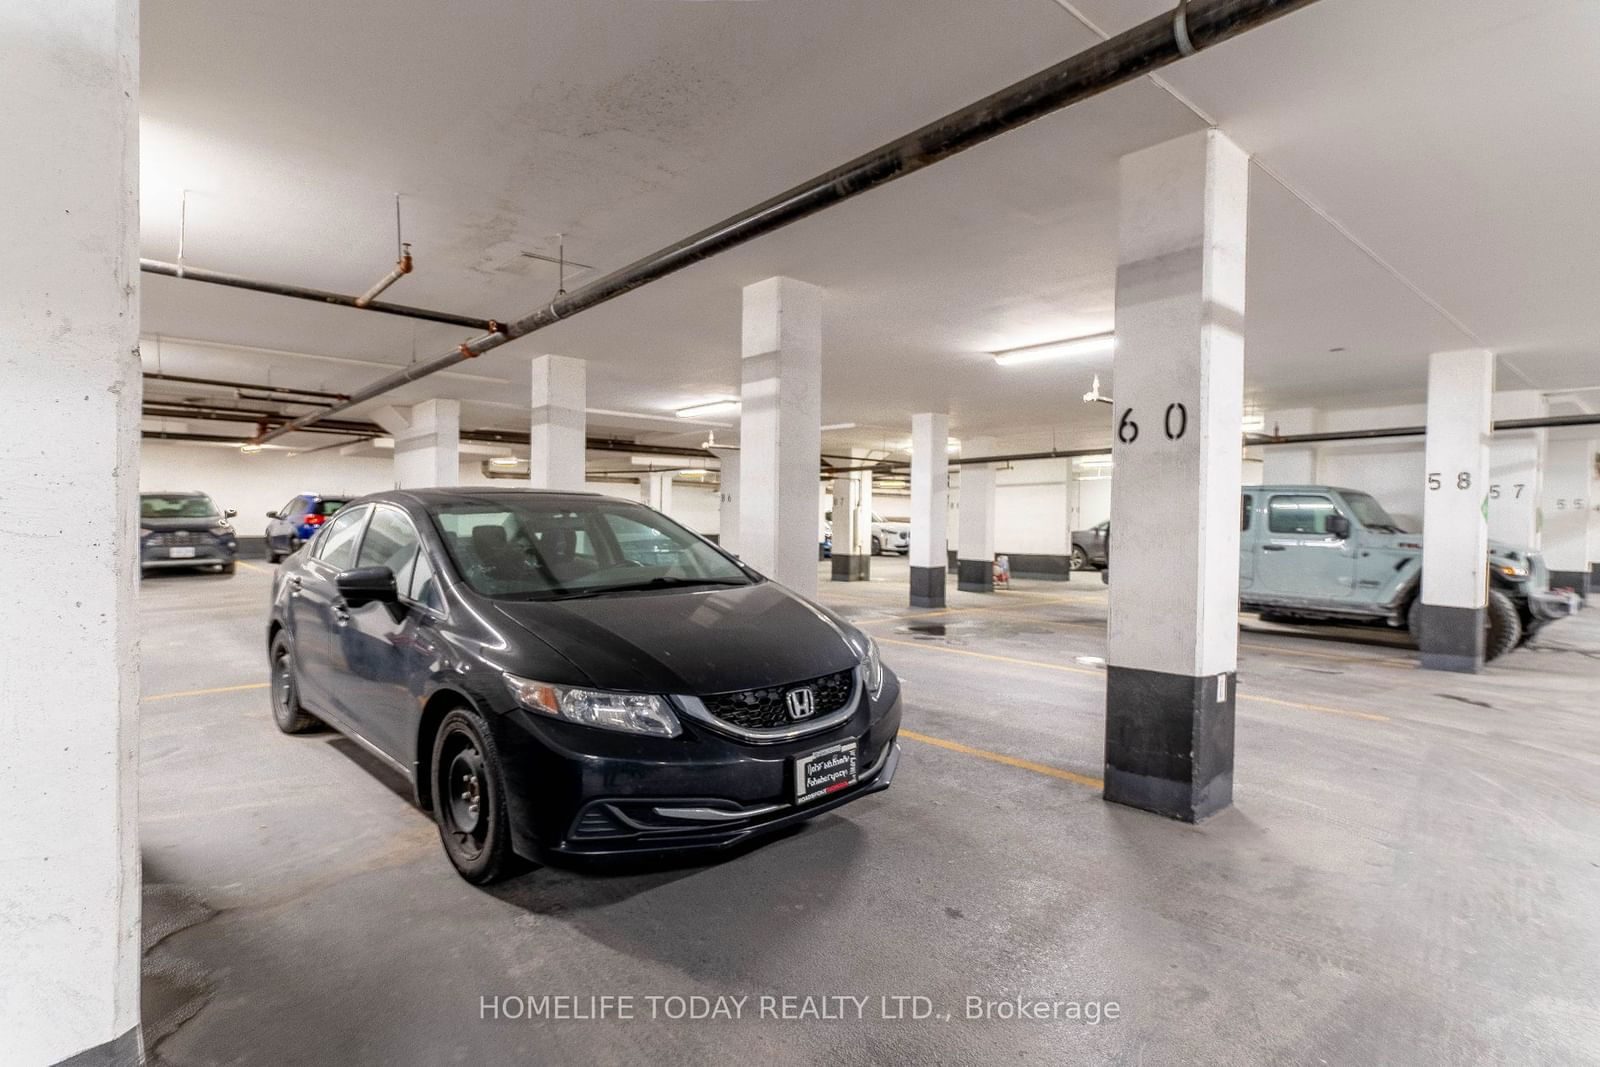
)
(710, 407)
(1074, 346)
(699, 471)
(1253, 422)
(250, 449)
(837, 426)
(504, 461)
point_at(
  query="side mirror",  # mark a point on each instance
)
(1339, 526)
(272, 514)
(367, 585)
(230, 513)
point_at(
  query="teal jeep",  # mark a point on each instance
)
(1316, 553)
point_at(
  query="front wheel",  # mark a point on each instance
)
(286, 710)
(469, 799)
(877, 546)
(1502, 628)
(1080, 558)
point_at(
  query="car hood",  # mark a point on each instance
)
(691, 641)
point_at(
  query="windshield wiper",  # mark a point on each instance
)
(653, 583)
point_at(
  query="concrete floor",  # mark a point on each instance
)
(1411, 873)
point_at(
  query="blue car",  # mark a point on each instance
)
(294, 524)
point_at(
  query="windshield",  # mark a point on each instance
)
(176, 506)
(545, 548)
(328, 506)
(1370, 513)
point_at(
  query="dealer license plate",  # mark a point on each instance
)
(825, 771)
(186, 552)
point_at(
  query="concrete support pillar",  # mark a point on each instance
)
(1569, 507)
(1516, 465)
(1172, 640)
(728, 495)
(557, 435)
(930, 491)
(780, 430)
(975, 519)
(427, 447)
(1290, 464)
(658, 491)
(852, 523)
(69, 468)
(1455, 508)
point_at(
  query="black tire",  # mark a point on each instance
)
(1504, 631)
(1502, 627)
(273, 555)
(1080, 558)
(228, 567)
(286, 710)
(1275, 618)
(469, 802)
(877, 546)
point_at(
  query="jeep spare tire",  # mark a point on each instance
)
(1502, 627)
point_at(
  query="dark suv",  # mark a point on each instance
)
(185, 530)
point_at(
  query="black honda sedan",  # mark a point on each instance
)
(572, 674)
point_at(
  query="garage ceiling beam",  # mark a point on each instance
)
(1193, 26)
(1548, 422)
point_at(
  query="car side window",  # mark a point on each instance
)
(422, 586)
(1299, 514)
(292, 509)
(337, 544)
(391, 542)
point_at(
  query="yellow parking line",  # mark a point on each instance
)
(1367, 715)
(206, 692)
(1370, 716)
(990, 655)
(1381, 661)
(251, 567)
(1009, 761)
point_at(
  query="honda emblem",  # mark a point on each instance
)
(802, 702)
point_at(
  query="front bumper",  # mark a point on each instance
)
(1552, 604)
(577, 791)
(204, 556)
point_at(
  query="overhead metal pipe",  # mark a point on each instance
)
(1546, 422)
(277, 390)
(321, 296)
(402, 267)
(1191, 27)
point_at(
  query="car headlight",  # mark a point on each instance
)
(145, 531)
(1511, 570)
(873, 668)
(636, 713)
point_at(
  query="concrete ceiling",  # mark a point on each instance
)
(1413, 192)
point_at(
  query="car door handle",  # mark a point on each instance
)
(1273, 548)
(341, 615)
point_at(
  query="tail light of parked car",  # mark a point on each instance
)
(315, 520)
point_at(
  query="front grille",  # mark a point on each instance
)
(766, 709)
(180, 537)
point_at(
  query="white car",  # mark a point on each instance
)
(888, 538)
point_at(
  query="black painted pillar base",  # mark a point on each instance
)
(975, 575)
(927, 587)
(1579, 582)
(851, 568)
(1452, 639)
(1169, 742)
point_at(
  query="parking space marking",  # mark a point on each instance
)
(251, 567)
(1382, 661)
(205, 692)
(1009, 761)
(991, 655)
(1368, 716)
